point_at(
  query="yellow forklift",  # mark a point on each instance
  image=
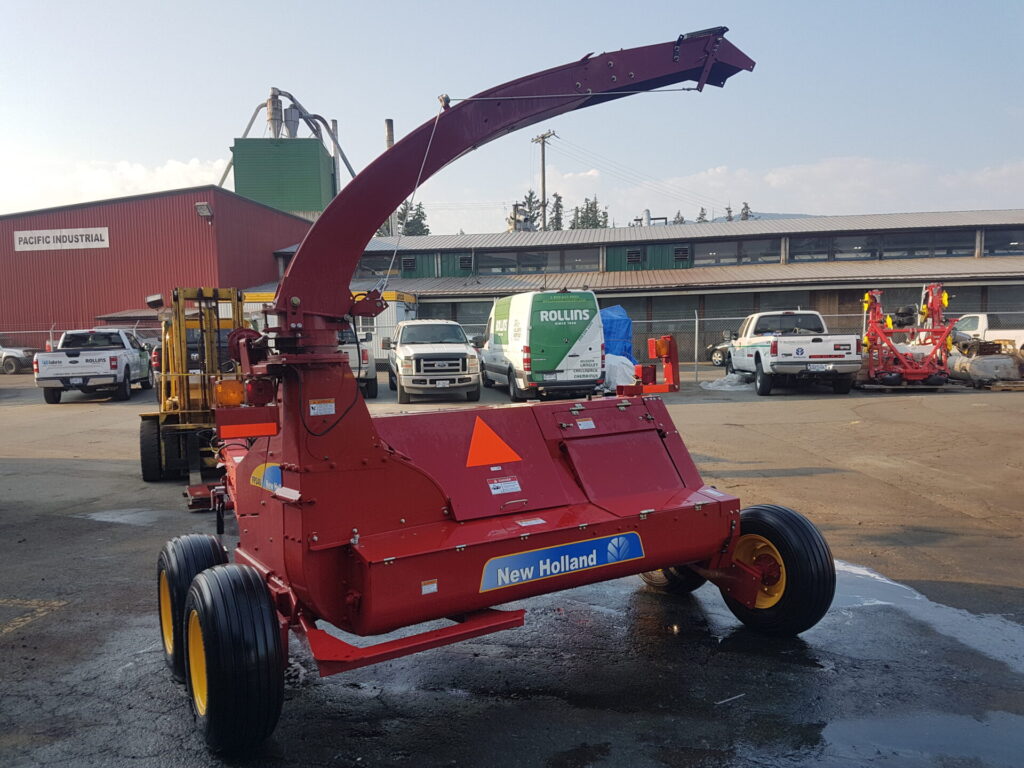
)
(179, 440)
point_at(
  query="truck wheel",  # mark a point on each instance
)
(233, 657)
(473, 395)
(728, 365)
(403, 394)
(147, 383)
(10, 365)
(124, 387)
(370, 389)
(679, 580)
(52, 395)
(515, 394)
(180, 560)
(842, 386)
(798, 572)
(718, 358)
(149, 450)
(762, 380)
(392, 382)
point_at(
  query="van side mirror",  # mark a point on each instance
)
(385, 343)
(478, 341)
(368, 337)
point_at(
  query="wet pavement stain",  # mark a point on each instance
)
(610, 674)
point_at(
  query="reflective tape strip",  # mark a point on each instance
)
(264, 429)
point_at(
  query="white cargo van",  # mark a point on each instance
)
(544, 342)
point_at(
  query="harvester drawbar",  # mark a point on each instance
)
(372, 524)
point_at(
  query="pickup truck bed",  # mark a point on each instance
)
(782, 348)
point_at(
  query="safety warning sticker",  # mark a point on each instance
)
(500, 485)
(324, 407)
(428, 587)
(585, 423)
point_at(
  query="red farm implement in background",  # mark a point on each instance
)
(909, 347)
(666, 352)
(373, 524)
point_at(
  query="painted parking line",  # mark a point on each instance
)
(34, 609)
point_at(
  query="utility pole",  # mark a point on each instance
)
(389, 142)
(542, 140)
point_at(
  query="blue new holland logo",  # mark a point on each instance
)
(537, 564)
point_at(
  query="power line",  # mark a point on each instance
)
(633, 176)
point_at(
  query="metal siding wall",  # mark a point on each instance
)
(156, 243)
(247, 236)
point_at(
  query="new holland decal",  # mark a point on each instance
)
(537, 564)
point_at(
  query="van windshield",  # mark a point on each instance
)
(441, 333)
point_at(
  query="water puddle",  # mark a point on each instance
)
(929, 740)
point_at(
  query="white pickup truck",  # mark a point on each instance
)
(993, 326)
(361, 360)
(98, 360)
(432, 357)
(785, 347)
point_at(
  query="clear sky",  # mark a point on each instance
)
(853, 107)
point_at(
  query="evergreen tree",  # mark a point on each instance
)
(744, 212)
(702, 217)
(412, 220)
(555, 212)
(590, 216)
(728, 213)
(678, 218)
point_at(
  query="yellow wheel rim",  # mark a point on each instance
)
(757, 552)
(166, 620)
(197, 663)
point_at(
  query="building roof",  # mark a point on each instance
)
(213, 188)
(589, 238)
(823, 273)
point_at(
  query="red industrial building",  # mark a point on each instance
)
(65, 267)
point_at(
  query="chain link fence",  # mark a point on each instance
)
(696, 337)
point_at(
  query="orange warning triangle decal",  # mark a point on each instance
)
(487, 448)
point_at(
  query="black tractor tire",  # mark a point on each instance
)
(147, 383)
(233, 658)
(181, 559)
(10, 365)
(843, 385)
(473, 395)
(797, 595)
(403, 393)
(370, 389)
(52, 395)
(762, 380)
(124, 387)
(680, 580)
(149, 451)
(515, 394)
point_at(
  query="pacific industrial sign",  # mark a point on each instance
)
(61, 239)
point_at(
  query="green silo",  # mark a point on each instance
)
(293, 175)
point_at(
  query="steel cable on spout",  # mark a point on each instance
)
(412, 199)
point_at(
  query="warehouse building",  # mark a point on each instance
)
(68, 267)
(697, 280)
(719, 269)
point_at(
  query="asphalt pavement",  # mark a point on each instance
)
(919, 662)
